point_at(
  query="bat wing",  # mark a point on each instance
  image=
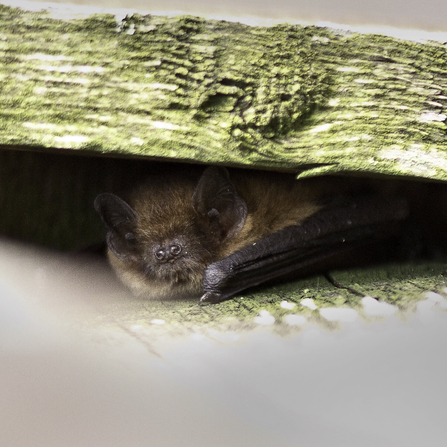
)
(325, 234)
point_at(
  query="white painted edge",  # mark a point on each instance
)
(68, 11)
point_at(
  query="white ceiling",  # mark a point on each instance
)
(428, 15)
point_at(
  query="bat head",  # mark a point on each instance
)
(174, 228)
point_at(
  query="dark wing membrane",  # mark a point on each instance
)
(323, 235)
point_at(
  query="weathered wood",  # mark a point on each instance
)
(218, 92)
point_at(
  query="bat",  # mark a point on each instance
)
(216, 232)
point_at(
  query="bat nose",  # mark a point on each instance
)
(168, 253)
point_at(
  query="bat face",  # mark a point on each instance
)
(157, 243)
(173, 227)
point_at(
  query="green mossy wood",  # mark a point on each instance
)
(306, 99)
(207, 91)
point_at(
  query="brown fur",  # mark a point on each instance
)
(163, 203)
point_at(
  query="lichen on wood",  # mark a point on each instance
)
(282, 97)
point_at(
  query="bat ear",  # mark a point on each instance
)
(120, 221)
(216, 199)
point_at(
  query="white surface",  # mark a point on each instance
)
(65, 383)
(339, 314)
(373, 307)
(406, 19)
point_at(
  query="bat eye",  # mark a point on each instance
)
(129, 237)
(160, 254)
(175, 250)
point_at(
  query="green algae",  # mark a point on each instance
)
(187, 88)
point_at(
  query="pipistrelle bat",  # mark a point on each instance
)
(220, 231)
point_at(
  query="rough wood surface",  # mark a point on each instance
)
(218, 92)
